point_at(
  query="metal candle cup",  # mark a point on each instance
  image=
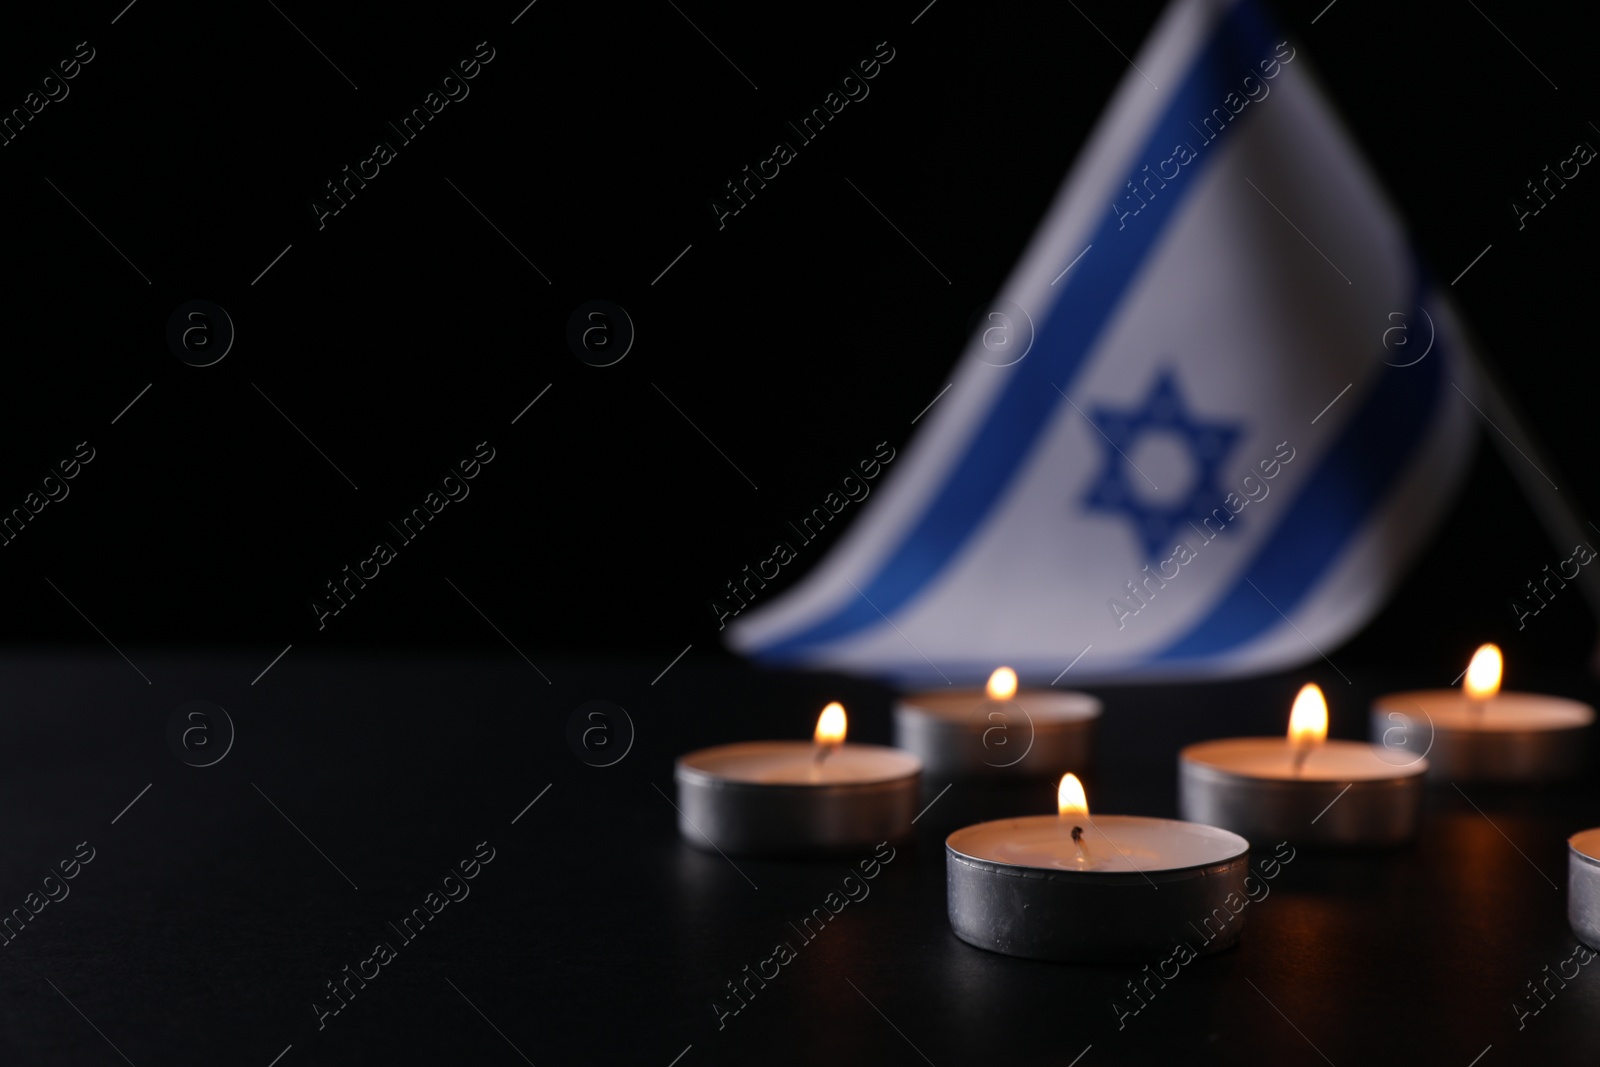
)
(1508, 737)
(964, 733)
(771, 798)
(1346, 792)
(1020, 887)
(1583, 886)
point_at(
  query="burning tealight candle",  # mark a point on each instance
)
(998, 730)
(1083, 890)
(1478, 733)
(797, 797)
(1303, 787)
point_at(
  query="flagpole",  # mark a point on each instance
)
(1535, 473)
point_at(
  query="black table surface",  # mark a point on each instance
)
(219, 904)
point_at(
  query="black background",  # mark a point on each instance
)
(796, 338)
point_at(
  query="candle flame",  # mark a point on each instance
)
(831, 725)
(1002, 684)
(1483, 673)
(1308, 719)
(1070, 798)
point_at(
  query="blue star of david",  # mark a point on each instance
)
(1208, 444)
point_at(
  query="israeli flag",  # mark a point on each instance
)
(1212, 414)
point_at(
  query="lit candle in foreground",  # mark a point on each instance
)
(1084, 889)
(997, 730)
(797, 797)
(1303, 787)
(1479, 734)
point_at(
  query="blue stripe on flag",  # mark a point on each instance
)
(1025, 408)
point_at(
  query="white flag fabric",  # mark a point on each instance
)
(1233, 420)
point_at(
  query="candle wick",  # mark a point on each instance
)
(1077, 839)
(1300, 755)
(823, 752)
